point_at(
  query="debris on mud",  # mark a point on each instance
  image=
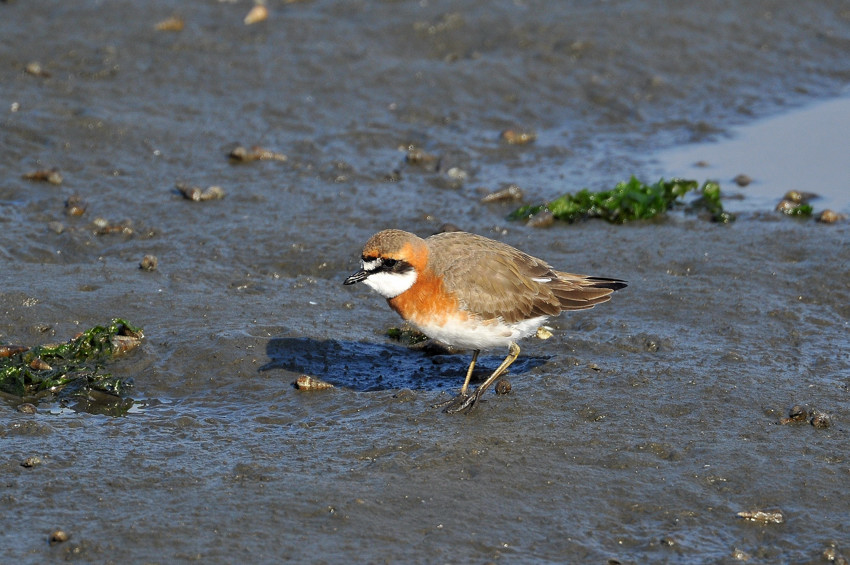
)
(801, 413)
(173, 23)
(240, 154)
(510, 192)
(764, 516)
(407, 335)
(45, 175)
(796, 203)
(197, 194)
(518, 136)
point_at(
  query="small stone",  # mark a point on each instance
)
(58, 536)
(56, 227)
(405, 395)
(503, 386)
(742, 180)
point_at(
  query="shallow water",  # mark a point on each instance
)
(804, 150)
(636, 433)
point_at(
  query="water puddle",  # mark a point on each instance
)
(804, 150)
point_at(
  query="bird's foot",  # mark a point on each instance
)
(461, 403)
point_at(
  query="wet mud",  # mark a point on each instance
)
(653, 428)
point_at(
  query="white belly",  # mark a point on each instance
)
(480, 335)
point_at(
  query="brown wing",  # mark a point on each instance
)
(498, 281)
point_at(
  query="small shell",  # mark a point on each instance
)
(196, 194)
(59, 536)
(47, 175)
(27, 408)
(766, 516)
(258, 13)
(34, 68)
(75, 205)
(38, 364)
(9, 350)
(503, 386)
(123, 343)
(518, 137)
(830, 217)
(174, 23)
(542, 219)
(256, 153)
(798, 197)
(306, 382)
(149, 263)
(417, 156)
(820, 419)
(511, 192)
(31, 462)
(543, 332)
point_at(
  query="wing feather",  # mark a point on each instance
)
(499, 281)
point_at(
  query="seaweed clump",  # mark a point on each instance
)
(631, 200)
(71, 369)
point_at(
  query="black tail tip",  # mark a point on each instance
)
(613, 284)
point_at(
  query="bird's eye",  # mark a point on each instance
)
(389, 263)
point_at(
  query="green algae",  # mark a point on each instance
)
(630, 201)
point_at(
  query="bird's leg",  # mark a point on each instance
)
(463, 394)
(469, 372)
(464, 403)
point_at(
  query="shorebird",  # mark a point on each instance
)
(472, 292)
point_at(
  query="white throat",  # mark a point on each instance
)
(390, 285)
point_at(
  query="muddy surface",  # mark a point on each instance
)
(637, 433)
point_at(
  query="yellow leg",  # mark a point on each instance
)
(469, 372)
(464, 402)
(513, 353)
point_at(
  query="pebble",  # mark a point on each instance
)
(742, 180)
(503, 386)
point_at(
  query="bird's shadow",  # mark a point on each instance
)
(373, 366)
